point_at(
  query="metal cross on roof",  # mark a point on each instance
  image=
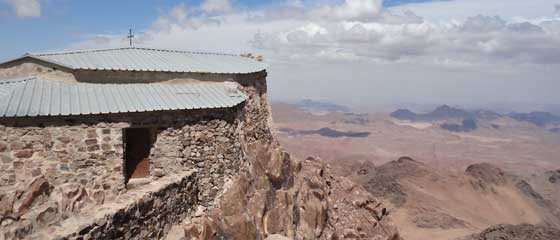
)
(130, 36)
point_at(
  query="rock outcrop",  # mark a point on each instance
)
(517, 232)
(384, 181)
(296, 199)
(487, 173)
(486, 176)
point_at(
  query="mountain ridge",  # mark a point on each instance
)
(445, 112)
(440, 205)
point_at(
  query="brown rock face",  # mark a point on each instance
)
(487, 173)
(201, 228)
(47, 216)
(486, 176)
(26, 153)
(299, 200)
(73, 197)
(6, 204)
(3, 146)
(38, 191)
(384, 181)
(517, 232)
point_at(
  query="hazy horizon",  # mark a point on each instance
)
(501, 108)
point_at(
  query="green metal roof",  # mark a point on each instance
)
(33, 96)
(149, 59)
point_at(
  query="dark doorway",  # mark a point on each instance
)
(137, 144)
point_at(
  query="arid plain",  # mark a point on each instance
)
(510, 144)
(440, 184)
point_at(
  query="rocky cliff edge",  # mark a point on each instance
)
(296, 199)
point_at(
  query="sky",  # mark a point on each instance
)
(368, 54)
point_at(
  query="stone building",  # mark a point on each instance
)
(82, 129)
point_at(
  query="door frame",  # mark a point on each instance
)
(126, 174)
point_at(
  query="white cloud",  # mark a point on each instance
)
(380, 45)
(478, 40)
(223, 6)
(178, 17)
(355, 30)
(551, 26)
(481, 23)
(407, 17)
(26, 8)
(460, 10)
(359, 10)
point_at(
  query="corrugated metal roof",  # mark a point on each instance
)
(36, 97)
(149, 59)
(8, 85)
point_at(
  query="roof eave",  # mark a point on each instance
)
(36, 58)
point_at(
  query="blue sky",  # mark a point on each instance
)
(65, 21)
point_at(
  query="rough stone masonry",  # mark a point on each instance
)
(58, 170)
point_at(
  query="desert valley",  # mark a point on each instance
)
(447, 174)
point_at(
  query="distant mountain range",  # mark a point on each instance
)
(321, 106)
(443, 112)
(446, 112)
(540, 119)
(466, 125)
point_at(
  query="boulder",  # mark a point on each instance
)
(38, 191)
(201, 229)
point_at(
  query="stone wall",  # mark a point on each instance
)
(73, 163)
(55, 170)
(65, 160)
(115, 76)
(145, 212)
(210, 147)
